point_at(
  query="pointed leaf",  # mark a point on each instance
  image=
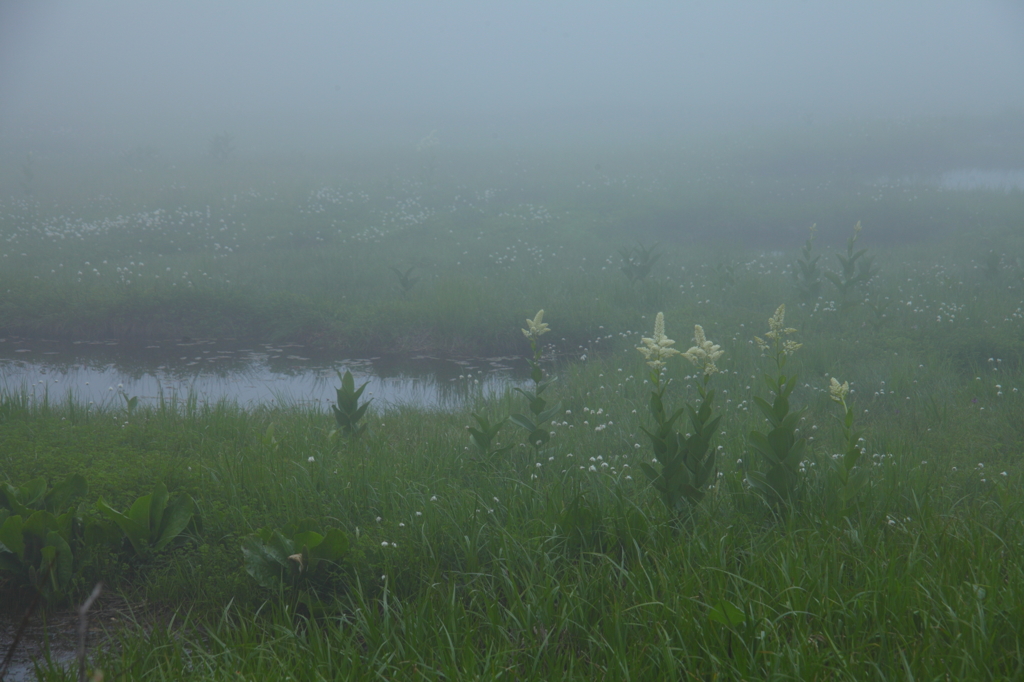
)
(333, 547)
(176, 516)
(61, 494)
(522, 421)
(262, 565)
(137, 534)
(727, 614)
(157, 504)
(11, 537)
(766, 409)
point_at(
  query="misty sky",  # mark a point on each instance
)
(325, 74)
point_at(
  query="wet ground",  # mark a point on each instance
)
(50, 640)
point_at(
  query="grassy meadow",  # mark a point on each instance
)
(869, 533)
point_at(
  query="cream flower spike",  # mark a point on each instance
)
(536, 326)
(658, 348)
(838, 392)
(705, 352)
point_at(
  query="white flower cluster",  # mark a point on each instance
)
(704, 353)
(838, 392)
(536, 327)
(776, 332)
(658, 348)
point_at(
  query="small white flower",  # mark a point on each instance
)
(311, 459)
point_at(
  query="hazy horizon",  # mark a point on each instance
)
(323, 77)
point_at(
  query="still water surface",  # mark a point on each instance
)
(212, 370)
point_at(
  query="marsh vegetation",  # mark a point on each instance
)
(827, 490)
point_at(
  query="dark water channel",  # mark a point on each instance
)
(250, 374)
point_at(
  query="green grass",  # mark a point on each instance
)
(562, 564)
(557, 570)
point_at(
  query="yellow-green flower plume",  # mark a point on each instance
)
(838, 392)
(536, 327)
(658, 348)
(704, 353)
(776, 331)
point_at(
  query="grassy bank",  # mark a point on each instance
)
(562, 561)
(872, 531)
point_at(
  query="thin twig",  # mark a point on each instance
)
(83, 629)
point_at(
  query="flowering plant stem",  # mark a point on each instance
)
(780, 449)
(685, 463)
(536, 425)
(852, 479)
(483, 436)
(348, 411)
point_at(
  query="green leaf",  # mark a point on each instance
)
(834, 278)
(523, 422)
(11, 538)
(139, 511)
(176, 516)
(539, 436)
(767, 409)
(550, 413)
(759, 442)
(649, 470)
(727, 614)
(157, 504)
(137, 534)
(63, 561)
(307, 538)
(333, 548)
(24, 499)
(62, 493)
(261, 564)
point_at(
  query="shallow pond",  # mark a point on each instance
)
(212, 370)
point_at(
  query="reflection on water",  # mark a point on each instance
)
(99, 372)
(982, 179)
(962, 180)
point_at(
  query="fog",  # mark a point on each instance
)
(325, 76)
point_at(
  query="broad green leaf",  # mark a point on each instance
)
(522, 421)
(11, 537)
(307, 538)
(333, 547)
(62, 493)
(727, 614)
(137, 534)
(539, 436)
(261, 564)
(649, 470)
(157, 504)
(760, 442)
(40, 523)
(767, 410)
(139, 511)
(176, 516)
(63, 561)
